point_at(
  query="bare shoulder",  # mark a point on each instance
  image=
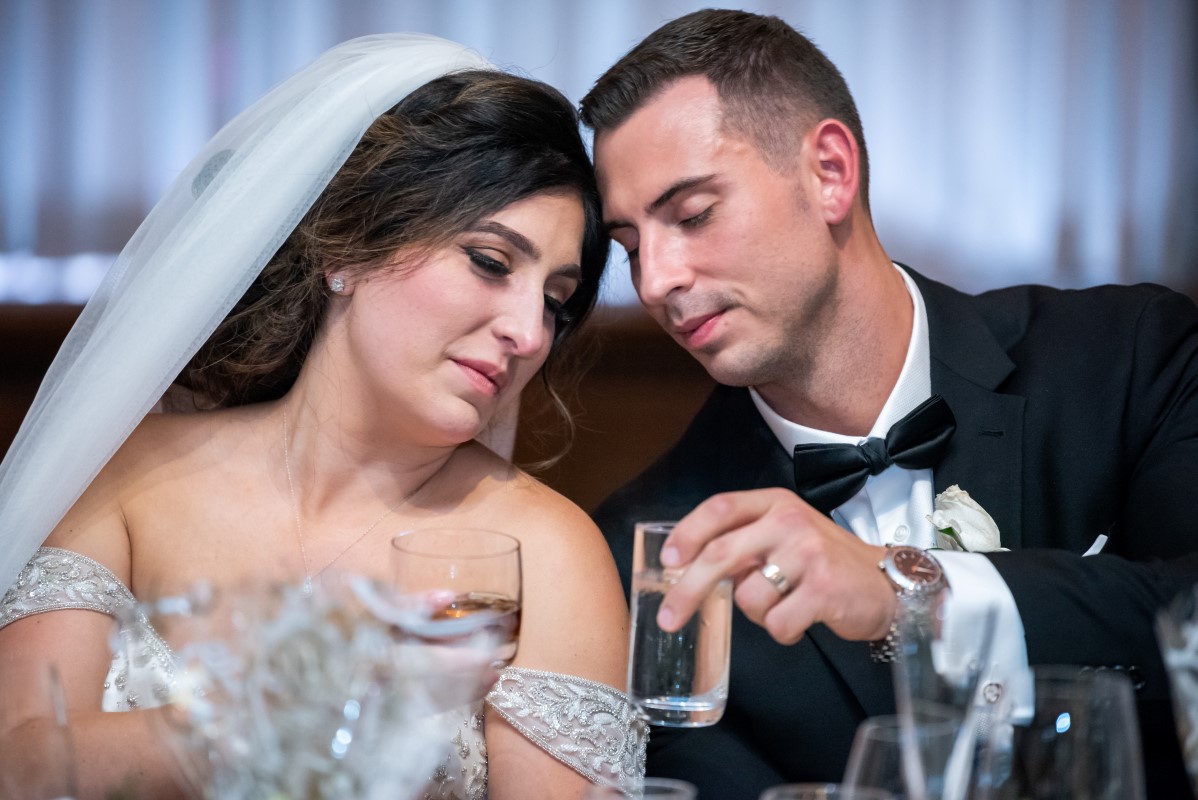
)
(575, 619)
(95, 525)
(539, 516)
(157, 455)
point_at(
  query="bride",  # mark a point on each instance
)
(347, 301)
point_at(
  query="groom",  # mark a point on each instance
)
(733, 170)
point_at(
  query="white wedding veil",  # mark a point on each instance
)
(189, 262)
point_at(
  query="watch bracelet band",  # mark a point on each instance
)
(916, 609)
(885, 650)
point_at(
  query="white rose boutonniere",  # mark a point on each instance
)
(963, 524)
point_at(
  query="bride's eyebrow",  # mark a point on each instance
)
(517, 239)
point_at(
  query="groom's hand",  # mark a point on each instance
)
(827, 574)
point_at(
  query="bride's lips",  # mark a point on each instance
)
(698, 331)
(486, 377)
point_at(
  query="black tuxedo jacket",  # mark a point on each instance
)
(1077, 415)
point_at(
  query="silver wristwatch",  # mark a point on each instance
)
(918, 579)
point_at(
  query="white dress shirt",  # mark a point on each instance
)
(893, 508)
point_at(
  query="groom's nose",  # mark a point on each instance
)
(660, 268)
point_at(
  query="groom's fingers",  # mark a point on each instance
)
(832, 576)
(789, 619)
(727, 536)
(728, 555)
(730, 511)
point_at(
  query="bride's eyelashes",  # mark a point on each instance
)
(556, 308)
(491, 266)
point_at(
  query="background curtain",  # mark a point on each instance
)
(1053, 141)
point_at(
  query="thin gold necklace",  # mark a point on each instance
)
(299, 528)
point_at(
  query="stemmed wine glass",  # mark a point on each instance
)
(938, 672)
(471, 579)
(1083, 741)
(1177, 633)
(908, 755)
(939, 665)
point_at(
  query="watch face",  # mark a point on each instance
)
(917, 565)
(914, 570)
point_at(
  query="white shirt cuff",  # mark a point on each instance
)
(974, 587)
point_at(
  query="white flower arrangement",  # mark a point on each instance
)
(962, 524)
(282, 694)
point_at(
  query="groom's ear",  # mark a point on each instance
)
(832, 156)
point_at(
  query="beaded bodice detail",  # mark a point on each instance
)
(60, 579)
(588, 726)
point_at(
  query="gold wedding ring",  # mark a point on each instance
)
(773, 573)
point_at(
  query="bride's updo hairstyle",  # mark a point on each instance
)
(457, 149)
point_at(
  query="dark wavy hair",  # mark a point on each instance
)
(455, 150)
(773, 82)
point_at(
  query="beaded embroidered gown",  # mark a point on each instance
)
(587, 726)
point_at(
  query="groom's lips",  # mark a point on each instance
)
(698, 331)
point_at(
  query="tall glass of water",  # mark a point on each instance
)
(676, 678)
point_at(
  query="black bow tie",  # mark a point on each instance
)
(828, 475)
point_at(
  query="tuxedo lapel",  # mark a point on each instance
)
(985, 457)
(750, 456)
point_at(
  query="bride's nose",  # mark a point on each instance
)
(522, 324)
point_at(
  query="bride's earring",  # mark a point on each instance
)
(336, 284)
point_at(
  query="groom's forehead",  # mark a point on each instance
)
(674, 136)
(684, 103)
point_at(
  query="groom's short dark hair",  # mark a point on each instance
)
(773, 82)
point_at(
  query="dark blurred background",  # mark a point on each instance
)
(1010, 141)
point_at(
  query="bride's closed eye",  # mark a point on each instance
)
(493, 267)
(559, 290)
(557, 309)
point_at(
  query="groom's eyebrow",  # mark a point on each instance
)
(669, 194)
(675, 189)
